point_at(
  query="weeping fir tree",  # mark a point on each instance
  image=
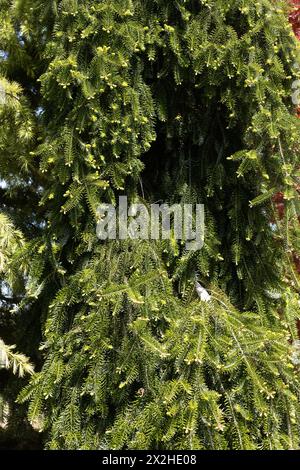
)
(176, 101)
(10, 240)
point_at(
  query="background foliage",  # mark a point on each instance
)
(176, 101)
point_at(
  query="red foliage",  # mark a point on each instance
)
(278, 198)
(294, 18)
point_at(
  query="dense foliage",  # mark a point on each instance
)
(176, 101)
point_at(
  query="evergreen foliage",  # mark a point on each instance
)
(179, 101)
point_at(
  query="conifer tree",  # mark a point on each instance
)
(180, 101)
